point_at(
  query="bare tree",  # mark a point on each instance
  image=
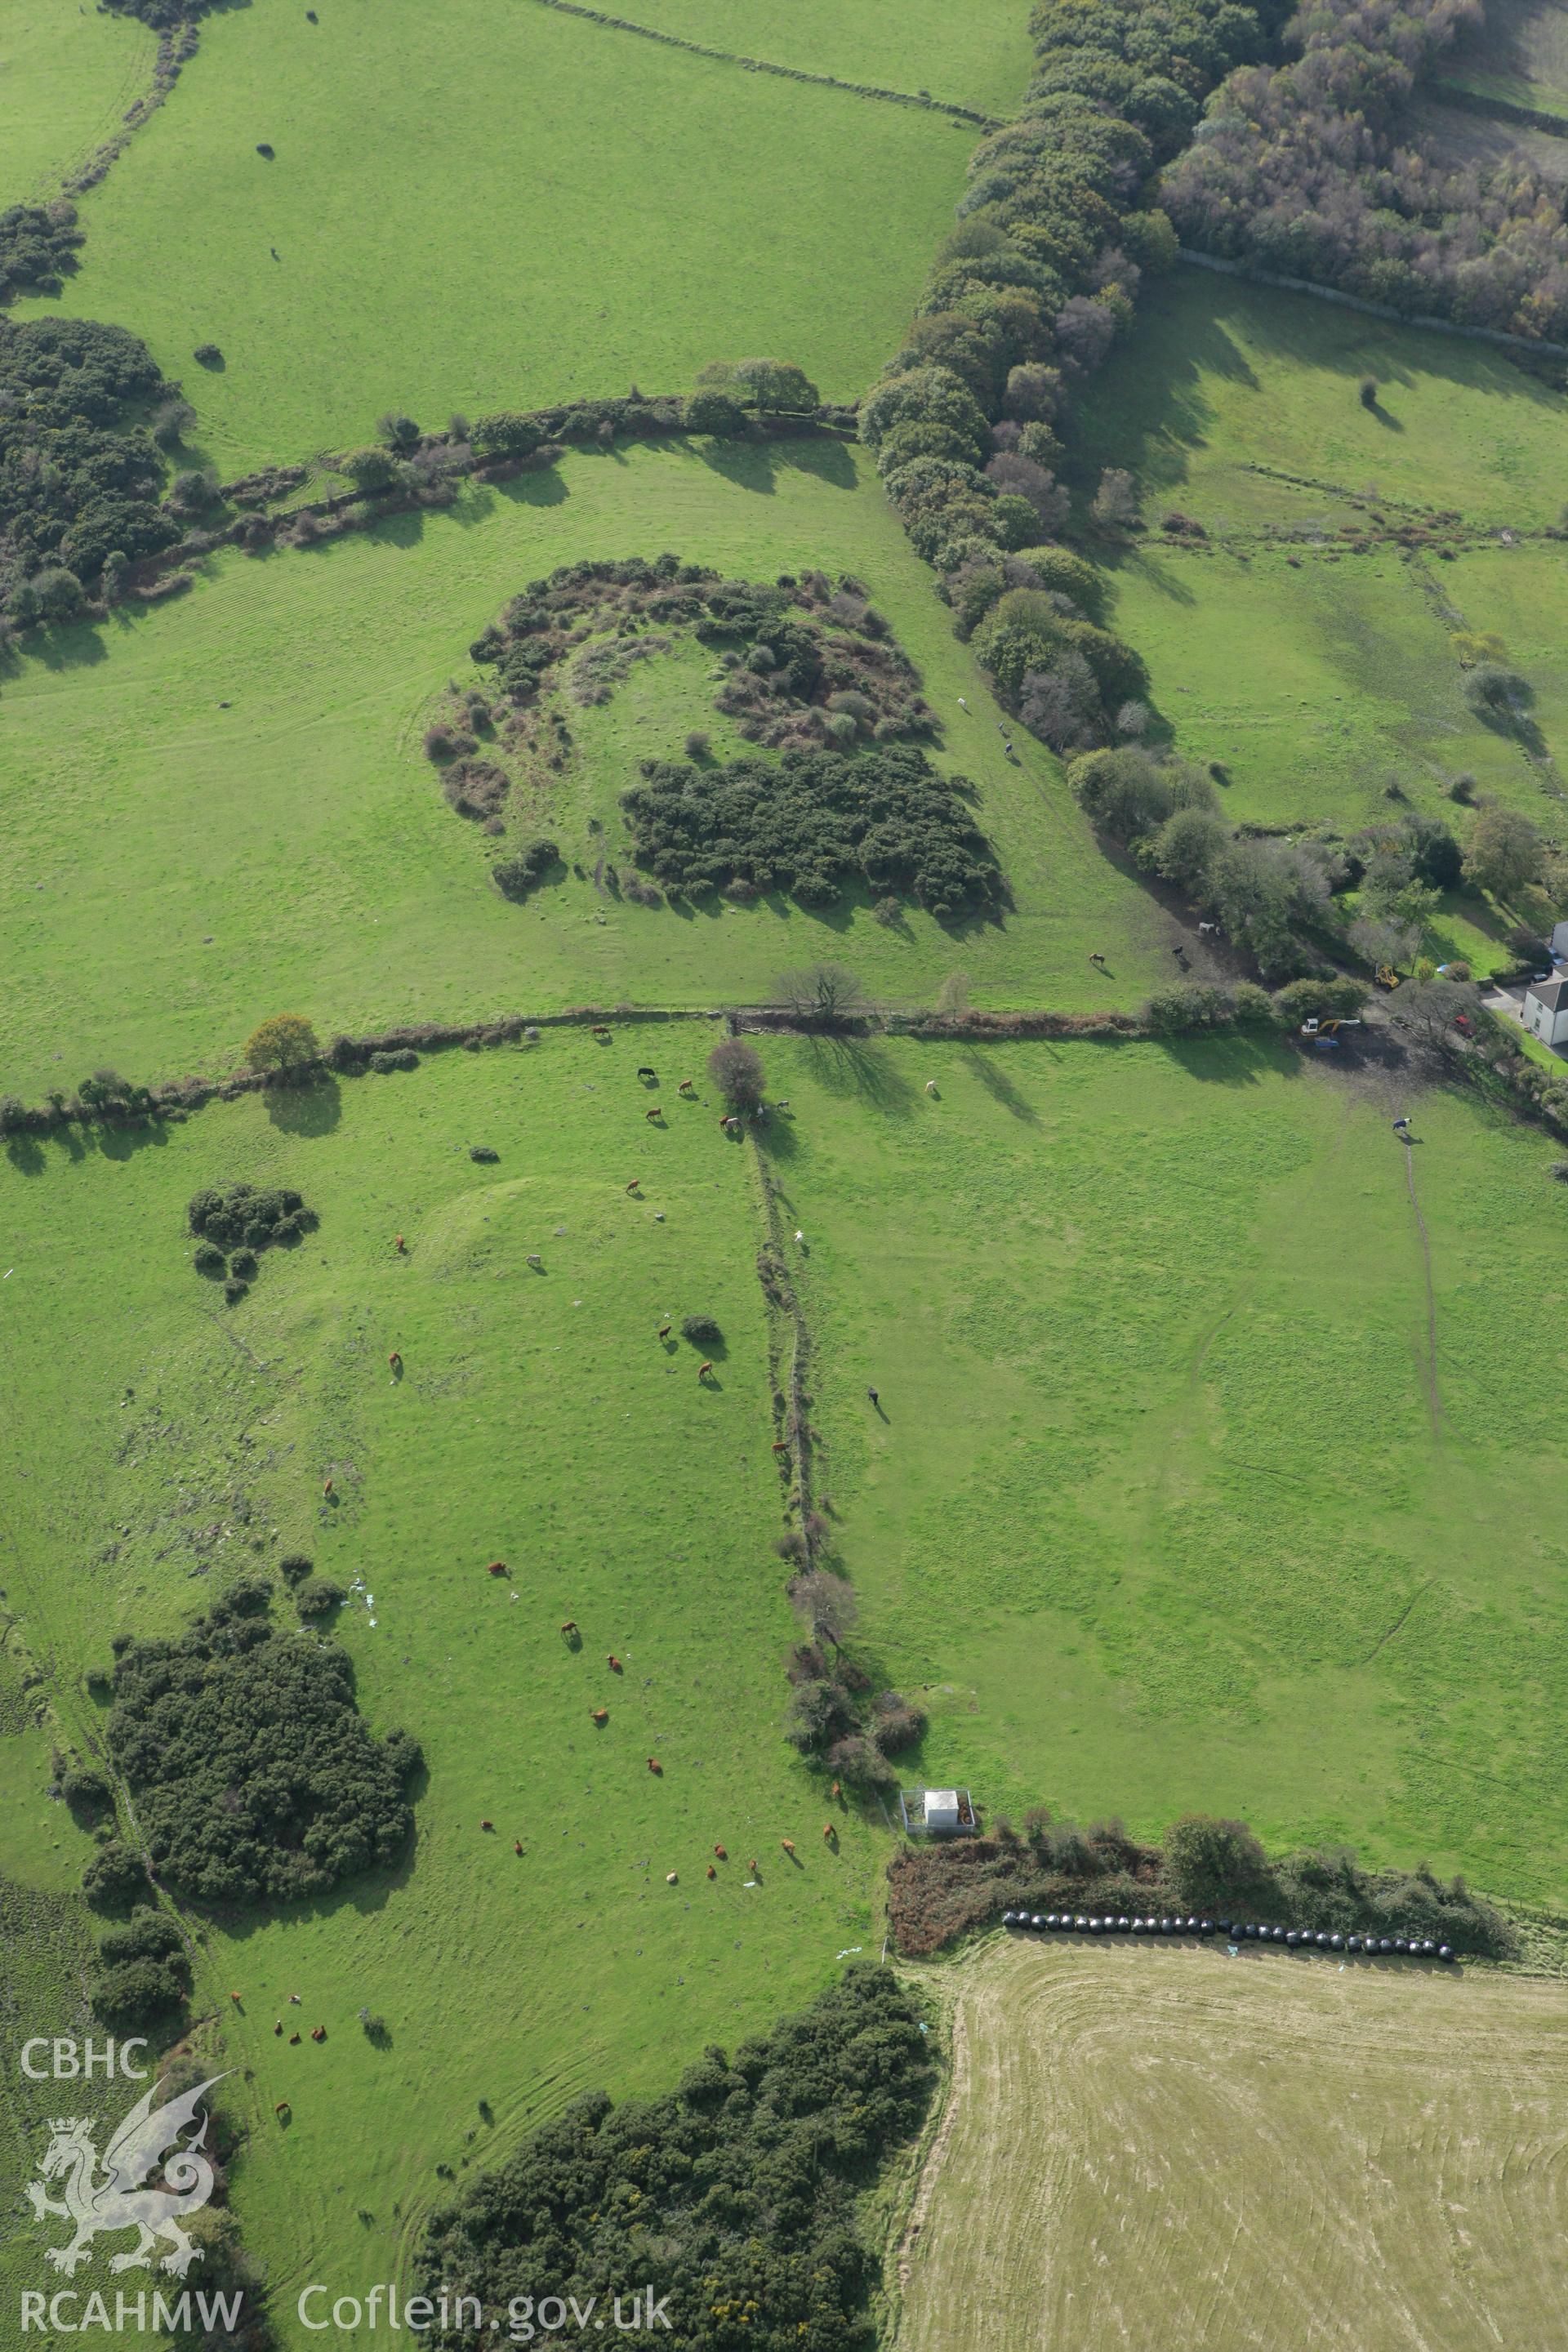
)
(822, 992)
(827, 1604)
(1116, 500)
(736, 1069)
(1425, 1009)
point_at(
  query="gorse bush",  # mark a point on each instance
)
(38, 245)
(515, 876)
(245, 1219)
(254, 1775)
(80, 477)
(737, 2192)
(116, 1878)
(811, 825)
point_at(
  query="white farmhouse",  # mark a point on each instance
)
(1544, 1012)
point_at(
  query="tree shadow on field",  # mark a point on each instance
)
(1000, 1087)
(862, 1066)
(78, 646)
(123, 1141)
(308, 1110)
(775, 1138)
(545, 489)
(829, 460)
(749, 464)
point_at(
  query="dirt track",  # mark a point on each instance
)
(1151, 2149)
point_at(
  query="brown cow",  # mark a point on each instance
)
(654, 1765)
(703, 1370)
(497, 1567)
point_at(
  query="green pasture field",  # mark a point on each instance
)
(1219, 378)
(978, 56)
(175, 869)
(159, 1444)
(1317, 676)
(67, 75)
(1314, 685)
(478, 208)
(1520, 54)
(1467, 136)
(1157, 1513)
(1520, 595)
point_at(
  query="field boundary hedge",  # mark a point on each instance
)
(177, 48)
(922, 100)
(1248, 1011)
(1256, 277)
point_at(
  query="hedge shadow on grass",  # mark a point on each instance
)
(1235, 1060)
(313, 1110)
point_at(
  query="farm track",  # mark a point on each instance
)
(1433, 1394)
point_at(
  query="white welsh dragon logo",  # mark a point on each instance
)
(118, 2201)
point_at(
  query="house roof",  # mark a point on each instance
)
(1550, 994)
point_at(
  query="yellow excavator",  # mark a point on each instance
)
(1386, 977)
(1326, 1032)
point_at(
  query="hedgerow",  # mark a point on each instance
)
(255, 1778)
(939, 1890)
(735, 2194)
